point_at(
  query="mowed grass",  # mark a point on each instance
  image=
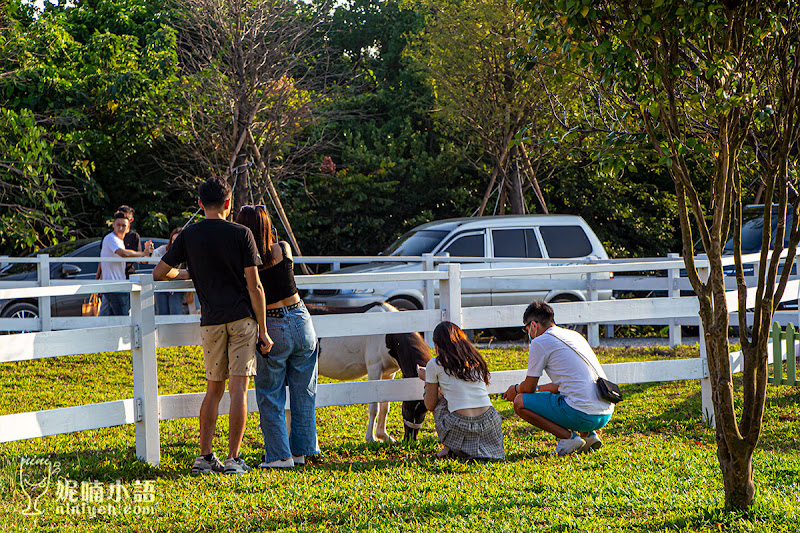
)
(657, 470)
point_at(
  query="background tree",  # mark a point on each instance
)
(253, 86)
(713, 91)
(81, 93)
(467, 49)
(394, 168)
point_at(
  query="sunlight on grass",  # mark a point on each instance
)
(656, 471)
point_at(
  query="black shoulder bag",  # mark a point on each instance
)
(608, 390)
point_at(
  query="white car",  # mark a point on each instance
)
(513, 236)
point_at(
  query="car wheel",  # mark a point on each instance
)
(580, 328)
(21, 310)
(404, 304)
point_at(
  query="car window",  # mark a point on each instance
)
(466, 246)
(515, 243)
(751, 231)
(90, 251)
(564, 242)
(416, 243)
(58, 250)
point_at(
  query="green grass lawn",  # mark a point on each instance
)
(657, 470)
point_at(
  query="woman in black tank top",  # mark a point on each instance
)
(292, 360)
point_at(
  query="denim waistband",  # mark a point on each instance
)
(280, 312)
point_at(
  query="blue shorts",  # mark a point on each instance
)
(554, 407)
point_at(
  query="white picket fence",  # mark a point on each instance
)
(143, 332)
(570, 277)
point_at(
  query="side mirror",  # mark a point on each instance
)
(70, 270)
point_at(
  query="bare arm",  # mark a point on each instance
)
(431, 396)
(164, 272)
(148, 251)
(259, 304)
(527, 386)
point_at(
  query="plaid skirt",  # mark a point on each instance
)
(470, 437)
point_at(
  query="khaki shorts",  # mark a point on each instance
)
(230, 349)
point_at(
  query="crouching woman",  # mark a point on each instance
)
(455, 390)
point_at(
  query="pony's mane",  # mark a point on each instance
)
(409, 350)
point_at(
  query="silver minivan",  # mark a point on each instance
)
(558, 237)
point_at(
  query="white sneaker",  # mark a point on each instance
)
(592, 442)
(299, 460)
(280, 463)
(236, 465)
(571, 445)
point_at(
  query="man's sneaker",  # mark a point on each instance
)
(571, 445)
(236, 465)
(299, 460)
(204, 466)
(592, 442)
(280, 463)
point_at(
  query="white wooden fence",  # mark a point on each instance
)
(143, 332)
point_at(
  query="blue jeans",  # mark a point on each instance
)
(293, 362)
(169, 303)
(115, 304)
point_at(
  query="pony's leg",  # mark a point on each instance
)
(375, 372)
(383, 411)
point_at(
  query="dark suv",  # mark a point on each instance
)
(61, 270)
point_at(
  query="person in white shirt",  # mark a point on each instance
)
(118, 303)
(570, 407)
(468, 425)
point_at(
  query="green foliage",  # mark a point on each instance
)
(395, 170)
(633, 213)
(31, 213)
(96, 78)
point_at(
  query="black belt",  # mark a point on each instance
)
(279, 312)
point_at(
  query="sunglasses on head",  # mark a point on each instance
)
(256, 207)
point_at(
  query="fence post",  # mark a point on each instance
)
(706, 398)
(593, 328)
(145, 369)
(45, 309)
(450, 295)
(427, 291)
(673, 291)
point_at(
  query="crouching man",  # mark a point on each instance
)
(570, 407)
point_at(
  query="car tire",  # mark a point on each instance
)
(404, 304)
(508, 334)
(580, 328)
(21, 310)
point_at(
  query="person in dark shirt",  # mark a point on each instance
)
(293, 359)
(223, 261)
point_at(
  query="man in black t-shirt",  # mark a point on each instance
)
(223, 260)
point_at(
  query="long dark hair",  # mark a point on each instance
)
(172, 233)
(257, 219)
(457, 355)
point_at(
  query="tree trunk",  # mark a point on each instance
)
(737, 475)
(239, 174)
(514, 185)
(532, 178)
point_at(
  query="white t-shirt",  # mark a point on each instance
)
(112, 271)
(459, 394)
(160, 251)
(576, 382)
